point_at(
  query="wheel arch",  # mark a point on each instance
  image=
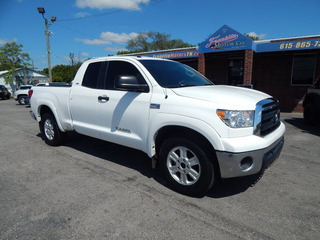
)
(190, 134)
(22, 94)
(42, 109)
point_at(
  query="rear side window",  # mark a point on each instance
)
(25, 87)
(91, 76)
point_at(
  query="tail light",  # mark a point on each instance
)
(30, 92)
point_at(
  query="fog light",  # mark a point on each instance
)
(246, 163)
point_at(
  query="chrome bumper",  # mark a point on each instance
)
(248, 163)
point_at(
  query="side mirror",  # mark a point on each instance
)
(130, 83)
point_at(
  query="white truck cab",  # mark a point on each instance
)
(195, 130)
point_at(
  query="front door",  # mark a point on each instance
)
(124, 115)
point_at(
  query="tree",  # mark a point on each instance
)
(153, 41)
(63, 73)
(254, 37)
(11, 58)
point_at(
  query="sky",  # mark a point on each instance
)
(95, 28)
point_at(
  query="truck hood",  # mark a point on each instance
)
(224, 96)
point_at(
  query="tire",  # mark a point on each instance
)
(186, 166)
(50, 130)
(310, 114)
(22, 100)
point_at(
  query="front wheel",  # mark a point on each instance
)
(52, 134)
(186, 166)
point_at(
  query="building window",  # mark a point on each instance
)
(303, 70)
(235, 72)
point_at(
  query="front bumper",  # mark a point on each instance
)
(248, 163)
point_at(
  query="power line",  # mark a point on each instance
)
(74, 30)
(63, 60)
(92, 16)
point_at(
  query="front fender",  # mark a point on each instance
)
(164, 120)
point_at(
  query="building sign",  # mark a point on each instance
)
(226, 39)
(175, 55)
(288, 46)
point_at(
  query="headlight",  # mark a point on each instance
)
(236, 119)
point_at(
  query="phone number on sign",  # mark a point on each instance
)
(305, 44)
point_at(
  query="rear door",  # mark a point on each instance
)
(84, 102)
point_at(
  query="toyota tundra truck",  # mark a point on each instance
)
(196, 132)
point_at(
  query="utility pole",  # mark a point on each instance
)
(48, 50)
(42, 11)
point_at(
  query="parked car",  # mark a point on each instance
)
(42, 84)
(311, 104)
(4, 92)
(196, 131)
(21, 95)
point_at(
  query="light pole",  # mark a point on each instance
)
(42, 11)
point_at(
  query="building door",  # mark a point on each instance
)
(235, 72)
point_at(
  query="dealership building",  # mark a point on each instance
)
(284, 68)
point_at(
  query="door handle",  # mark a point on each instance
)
(100, 98)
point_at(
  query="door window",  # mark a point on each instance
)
(121, 68)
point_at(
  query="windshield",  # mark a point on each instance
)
(174, 74)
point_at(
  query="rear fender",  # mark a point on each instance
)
(51, 109)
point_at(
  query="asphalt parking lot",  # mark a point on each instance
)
(89, 189)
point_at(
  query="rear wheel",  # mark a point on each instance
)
(49, 127)
(22, 100)
(186, 166)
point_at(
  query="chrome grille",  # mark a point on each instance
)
(267, 116)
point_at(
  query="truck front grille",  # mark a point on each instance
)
(267, 116)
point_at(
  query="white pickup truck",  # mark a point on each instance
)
(194, 130)
(21, 95)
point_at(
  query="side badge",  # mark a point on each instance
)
(154, 106)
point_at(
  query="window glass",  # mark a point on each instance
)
(303, 69)
(91, 76)
(171, 74)
(25, 87)
(121, 68)
(235, 72)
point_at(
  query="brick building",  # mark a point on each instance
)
(283, 68)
